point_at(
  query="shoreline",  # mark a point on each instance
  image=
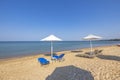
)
(43, 54)
(29, 55)
(17, 51)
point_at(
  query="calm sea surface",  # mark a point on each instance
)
(21, 48)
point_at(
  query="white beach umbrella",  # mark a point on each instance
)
(90, 38)
(51, 38)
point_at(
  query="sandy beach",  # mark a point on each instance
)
(103, 67)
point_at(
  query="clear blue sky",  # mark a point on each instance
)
(32, 20)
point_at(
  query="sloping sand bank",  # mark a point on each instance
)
(103, 67)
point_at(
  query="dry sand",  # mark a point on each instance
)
(104, 67)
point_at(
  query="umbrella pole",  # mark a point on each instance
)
(91, 46)
(51, 50)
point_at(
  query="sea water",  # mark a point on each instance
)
(21, 48)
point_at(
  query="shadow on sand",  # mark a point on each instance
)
(70, 73)
(109, 57)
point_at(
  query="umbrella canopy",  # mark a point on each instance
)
(51, 38)
(90, 38)
(70, 73)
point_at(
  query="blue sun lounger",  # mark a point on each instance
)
(43, 61)
(60, 57)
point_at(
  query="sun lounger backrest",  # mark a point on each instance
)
(61, 55)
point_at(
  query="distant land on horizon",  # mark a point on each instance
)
(111, 40)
